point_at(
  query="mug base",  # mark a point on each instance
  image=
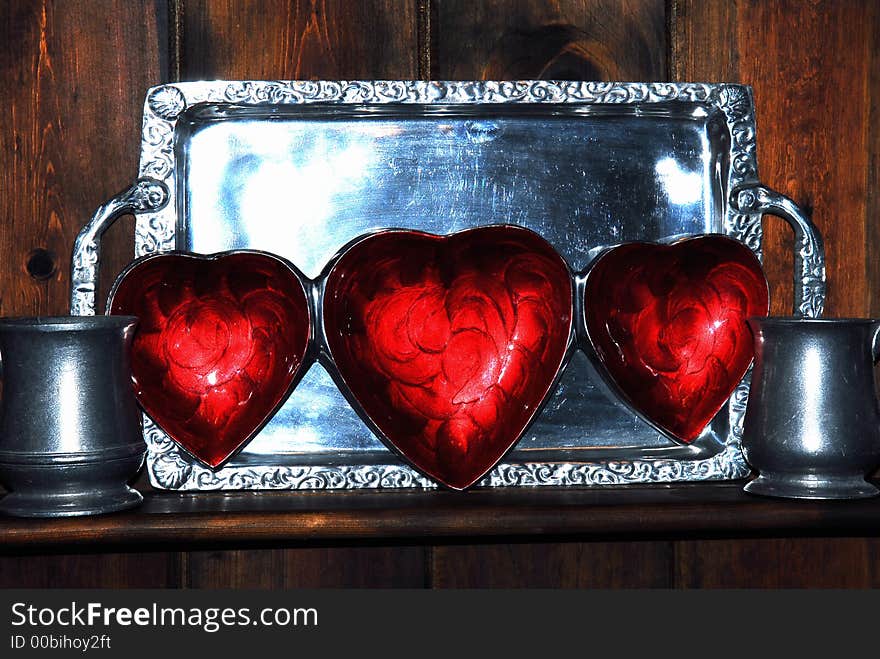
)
(69, 504)
(811, 487)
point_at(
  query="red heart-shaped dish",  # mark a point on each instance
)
(220, 343)
(449, 344)
(668, 325)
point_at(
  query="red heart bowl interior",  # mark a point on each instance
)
(668, 325)
(220, 342)
(449, 344)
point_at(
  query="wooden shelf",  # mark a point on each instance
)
(680, 510)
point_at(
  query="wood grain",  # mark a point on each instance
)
(779, 563)
(563, 39)
(554, 565)
(703, 44)
(94, 570)
(73, 77)
(299, 39)
(309, 567)
(872, 202)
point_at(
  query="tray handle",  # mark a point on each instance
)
(146, 194)
(809, 257)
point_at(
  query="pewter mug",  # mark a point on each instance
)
(70, 430)
(812, 425)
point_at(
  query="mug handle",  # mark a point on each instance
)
(809, 257)
(875, 345)
(146, 194)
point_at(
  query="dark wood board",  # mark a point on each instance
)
(779, 563)
(562, 39)
(872, 210)
(297, 39)
(554, 565)
(100, 569)
(73, 77)
(309, 567)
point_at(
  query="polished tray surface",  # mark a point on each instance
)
(300, 169)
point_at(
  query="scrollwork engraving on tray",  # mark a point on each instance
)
(171, 468)
(725, 465)
(401, 91)
(736, 103)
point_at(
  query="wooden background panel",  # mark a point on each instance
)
(872, 202)
(101, 570)
(259, 570)
(309, 567)
(779, 563)
(554, 565)
(813, 120)
(73, 77)
(298, 39)
(561, 39)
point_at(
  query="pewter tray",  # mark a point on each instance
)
(301, 168)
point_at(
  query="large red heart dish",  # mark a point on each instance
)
(449, 344)
(220, 342)
(668, 324)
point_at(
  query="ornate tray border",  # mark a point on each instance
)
(170, 468)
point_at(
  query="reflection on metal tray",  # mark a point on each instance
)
(301, 168)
